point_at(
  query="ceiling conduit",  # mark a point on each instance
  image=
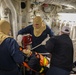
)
(14, 17)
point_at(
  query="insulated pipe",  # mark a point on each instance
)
(14, 17)
(27, 12)
(20, 20)
(20, 17)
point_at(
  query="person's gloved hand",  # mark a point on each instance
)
(45, 40)
(27, 52)
(19, 40)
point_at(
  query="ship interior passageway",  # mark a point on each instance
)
(55, 13)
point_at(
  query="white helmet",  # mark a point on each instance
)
(65, 29)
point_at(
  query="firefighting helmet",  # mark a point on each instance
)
(38, 26)
(65, 29)
(4, 27)
(37, 22)
(26, 41)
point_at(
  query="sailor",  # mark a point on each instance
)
(61, 48)
(10, 55)
(39, 32)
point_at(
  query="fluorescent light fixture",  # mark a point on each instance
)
(68, 6)
(67, 16)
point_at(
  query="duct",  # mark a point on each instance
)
(14, 17)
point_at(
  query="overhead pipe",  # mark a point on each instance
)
(27, 12)
(20, 17)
